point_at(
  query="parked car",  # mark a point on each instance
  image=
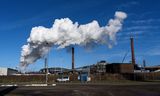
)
(63, 79)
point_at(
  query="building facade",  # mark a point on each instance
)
(120, 68)
(7, 71)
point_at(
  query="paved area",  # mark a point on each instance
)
(84, 90)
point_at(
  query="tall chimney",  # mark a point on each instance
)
(132, 50)
(72, 58)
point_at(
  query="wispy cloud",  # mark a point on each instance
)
(128, 5)
(154, 51)
(128, 33)
(21, 23)
(141, 28)
(38, 18)
(124, 37)
(144, 21)
(114, 56)
(141, 31)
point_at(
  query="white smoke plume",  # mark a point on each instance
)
(65, 33)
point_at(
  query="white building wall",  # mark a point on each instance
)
(3, 71)
(11, 71)
(7, 71)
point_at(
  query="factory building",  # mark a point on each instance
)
(104, 67)
(7, 71)
(153, 68)
(120, 68)
(55, 70)
(100, 67)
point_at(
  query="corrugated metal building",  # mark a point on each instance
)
(7, 71)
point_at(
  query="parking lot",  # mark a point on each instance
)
(84, 90)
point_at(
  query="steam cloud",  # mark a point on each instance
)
(64, 33)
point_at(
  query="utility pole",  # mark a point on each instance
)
(144, 65)
(46, 70)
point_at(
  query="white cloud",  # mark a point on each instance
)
(65, 32)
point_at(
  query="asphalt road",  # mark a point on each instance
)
(84, 90)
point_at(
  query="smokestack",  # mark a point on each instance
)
(72, 58)
(132, 50)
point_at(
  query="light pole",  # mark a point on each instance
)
(46, 70)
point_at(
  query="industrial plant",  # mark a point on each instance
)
(129, 71)
(79, 48)
(100, 71)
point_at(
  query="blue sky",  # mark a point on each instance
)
(19, 16)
